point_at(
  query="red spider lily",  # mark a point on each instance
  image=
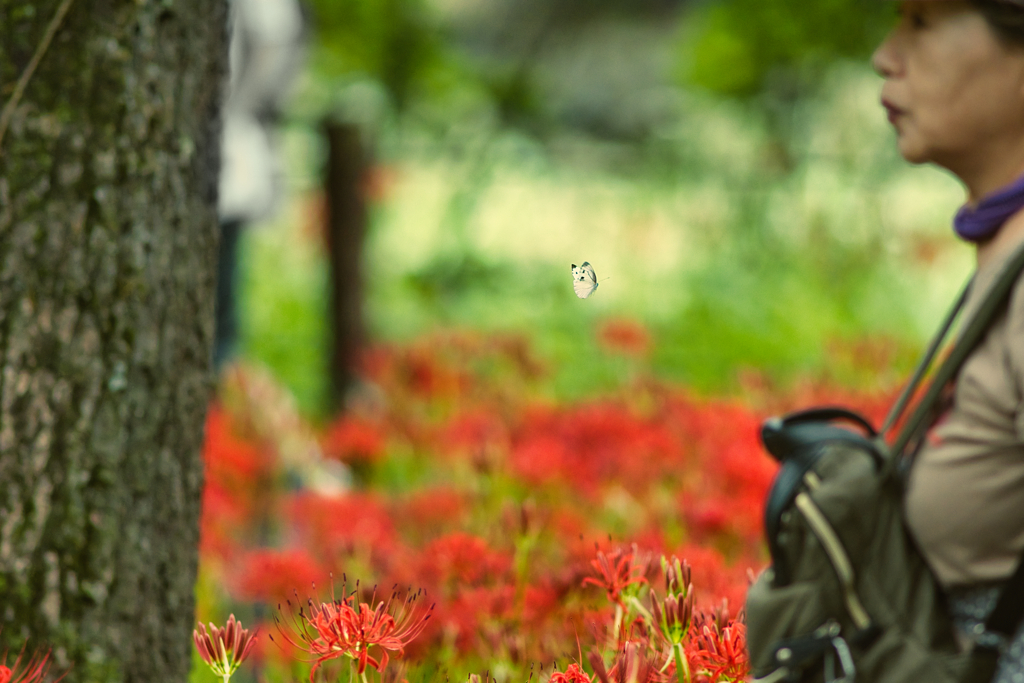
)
(354, 439)
(508, 589)
(574, 674)
(430, 511)
(678, 576)
(224, 649)
(268, 575)
(617, 570)
(35, 669)
(595, 445)
(337, 525)
(230, 459)
(721, 653)
(348, 627)
(625, 337)
(716, 578)
(466, 618)
(672, 615)
(473, 430)
(458, 560)
(632, 665)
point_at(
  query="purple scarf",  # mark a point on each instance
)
(984, 220)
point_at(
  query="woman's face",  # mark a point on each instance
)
(953, 91)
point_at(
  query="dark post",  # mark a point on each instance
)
(348, 161)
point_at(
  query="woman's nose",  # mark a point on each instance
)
(884, 60)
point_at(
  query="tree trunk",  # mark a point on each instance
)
(108, 235)
(347, 215)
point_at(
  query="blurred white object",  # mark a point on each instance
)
(266, 52)
(275, 421)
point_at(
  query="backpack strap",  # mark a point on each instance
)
(973, 332)
(925, 362)
(1005, 618)
(798, 441)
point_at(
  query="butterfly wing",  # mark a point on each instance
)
(584, 280)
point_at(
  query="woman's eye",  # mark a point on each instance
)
(914, 18)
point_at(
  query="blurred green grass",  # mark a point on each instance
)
(732, 259)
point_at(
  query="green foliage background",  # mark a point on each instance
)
(789, 226)
(745, 47)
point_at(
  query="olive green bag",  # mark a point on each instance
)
(848, 596)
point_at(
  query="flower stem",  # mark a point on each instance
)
(682, 667)
(618, 626)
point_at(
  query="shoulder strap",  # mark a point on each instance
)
(971, 335)
(1006, 616)
(922, 366)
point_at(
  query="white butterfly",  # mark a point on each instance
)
(584, 280)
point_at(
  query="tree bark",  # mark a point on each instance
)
(108, 233)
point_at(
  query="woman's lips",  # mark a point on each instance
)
(892, 111)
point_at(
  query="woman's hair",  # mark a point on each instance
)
(1005, 18)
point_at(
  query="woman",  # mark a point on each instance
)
(954, 92)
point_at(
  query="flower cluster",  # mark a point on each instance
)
(350, 628)
(531, 523)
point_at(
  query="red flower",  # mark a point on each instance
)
(720, 653)
(594, 445)
(338, 524)
(271, 575)
(623, 336)
(234, 494)
(224, 649)
(222, 517)
(616, 571)
(472, 616)
(429, 511)
(350, 628)
(35, 669)
(354, 439)
(229, 459)
(574, 674)
(632, 665)
(458, 560)
(474, 430)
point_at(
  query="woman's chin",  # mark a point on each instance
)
(914, 154)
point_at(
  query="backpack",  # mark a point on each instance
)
(848, 596)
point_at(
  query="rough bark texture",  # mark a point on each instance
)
(107, 250)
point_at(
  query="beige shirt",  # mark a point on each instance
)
(965, 501)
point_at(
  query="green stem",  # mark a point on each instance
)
(616, 636)
(682, 667)
(638, 606)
